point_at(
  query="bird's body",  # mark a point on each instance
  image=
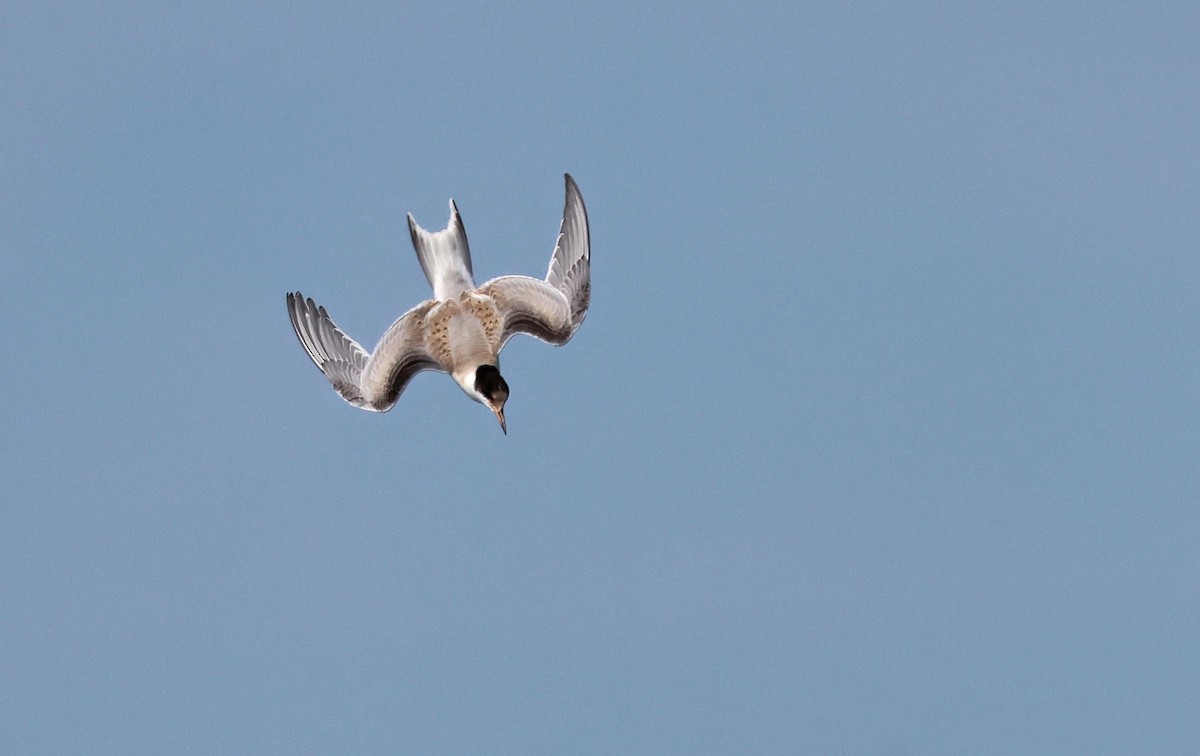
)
(463, 328)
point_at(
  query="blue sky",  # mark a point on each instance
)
(881, 435)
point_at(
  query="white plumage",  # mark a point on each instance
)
(463, 328)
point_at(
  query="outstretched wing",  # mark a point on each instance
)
(445, 256)
(530, 306)
(338, 356)
(372, 382)
(399, 356)
(551, 310)
(571, 265)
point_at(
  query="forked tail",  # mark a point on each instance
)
(445, 256)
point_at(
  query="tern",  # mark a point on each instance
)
(462, 329)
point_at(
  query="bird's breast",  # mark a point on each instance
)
(463, 332)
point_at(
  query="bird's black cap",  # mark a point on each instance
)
(490, 383)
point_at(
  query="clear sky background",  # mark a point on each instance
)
(881, 436)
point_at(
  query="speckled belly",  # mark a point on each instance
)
(463, 332)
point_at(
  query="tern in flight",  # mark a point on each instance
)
(462, 329)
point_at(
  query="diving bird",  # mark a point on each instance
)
(462, 329)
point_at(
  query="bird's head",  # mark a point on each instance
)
(490, 386)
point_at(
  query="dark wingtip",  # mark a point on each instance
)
(573, 188)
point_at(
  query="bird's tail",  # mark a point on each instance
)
(445, 256)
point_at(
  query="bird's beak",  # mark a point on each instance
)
(500, 417)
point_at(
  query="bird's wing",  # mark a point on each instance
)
(527, 305)
(400, 355)
(338, 356)
(445, 256)
(571, 264)
(551, 310)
